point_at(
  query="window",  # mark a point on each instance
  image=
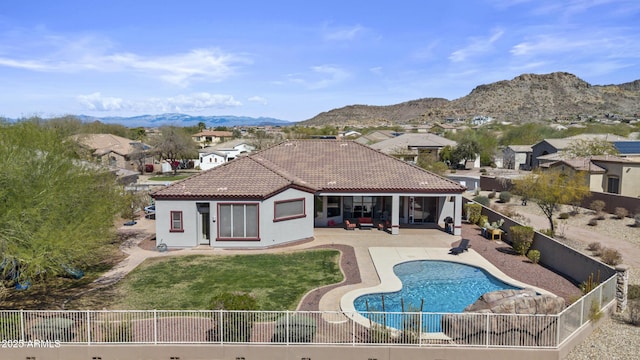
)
(613, 185)
(238, 222)
(176, 221)
(289, 209)
(333, 206)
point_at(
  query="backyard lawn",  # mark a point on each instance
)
(278, 281)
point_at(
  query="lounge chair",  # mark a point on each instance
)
(349, 226)
(464, 246)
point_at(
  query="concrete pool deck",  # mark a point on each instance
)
(385, 258)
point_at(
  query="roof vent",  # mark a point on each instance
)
(344, 144)
(222, 189)
(288, 144)
(331, 183)
(423, 183)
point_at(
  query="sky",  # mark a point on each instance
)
(292, 60)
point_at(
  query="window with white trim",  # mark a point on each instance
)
(176, 221)
(289, 209)
(238, 221)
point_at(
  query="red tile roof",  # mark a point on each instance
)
(311, 165)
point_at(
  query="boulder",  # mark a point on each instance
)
(490, 320)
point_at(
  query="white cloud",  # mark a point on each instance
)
(258, 99)
(343, 34)
(180, 103)
(97, 102)
(478, 46)
(57, 54)
(334, 75)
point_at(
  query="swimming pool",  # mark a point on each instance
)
(433, 286)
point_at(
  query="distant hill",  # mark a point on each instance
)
(526, 98)
(186, 120)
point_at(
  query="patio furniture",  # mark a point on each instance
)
(349, 226)
(464, 246)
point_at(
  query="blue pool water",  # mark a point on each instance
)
(443, 286)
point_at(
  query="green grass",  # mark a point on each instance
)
(278, 281)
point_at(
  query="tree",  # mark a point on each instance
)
(584, 148)
(55, 212)
(551, 188)
(174, 145)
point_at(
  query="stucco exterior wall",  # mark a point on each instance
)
(271, 232)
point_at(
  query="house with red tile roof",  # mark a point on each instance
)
(280, 194)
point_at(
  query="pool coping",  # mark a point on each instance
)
(385, 258)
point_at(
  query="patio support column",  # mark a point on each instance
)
(395, 214)
(457, 215)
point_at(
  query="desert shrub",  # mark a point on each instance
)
(492, 194)
(547, 232)
(611, 256)
(534, 256)
(379, 334)
(634, 312)
(621, 212)
(235, 326)
(505, 196)
(473, 212)
(117, 331)
(563, 216)
(483, 170)
(597, 206)
(300, 329)
(594, 312)
(596, 247)
(483, 221)
(522, 238)
(482, 200)
(593, 221)
(590, 284)
(633, 292)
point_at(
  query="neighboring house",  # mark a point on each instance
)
(209, 158)
(481, 120)
(605, 173)
(550, 146)
(349, 134)
(441, 129)
(377, 136)
(219, 154)
(115, 151)
(517, 157)
(279, 194)
(408, 147)
(208, 137)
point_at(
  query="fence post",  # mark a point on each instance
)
(88, 327)
(155, 326)
(287, 328)
(221, 327)
(622, 287)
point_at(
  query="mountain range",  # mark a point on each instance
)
(186, 120)
(526, 98)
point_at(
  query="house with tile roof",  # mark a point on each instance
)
(603, 173)
(115, 151)
(410, 146)
(551, 146)
(208, 137)
(280, 194)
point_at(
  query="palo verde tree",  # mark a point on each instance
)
(551, 188)
(586, 148)
(56, 211)
(173, 145)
